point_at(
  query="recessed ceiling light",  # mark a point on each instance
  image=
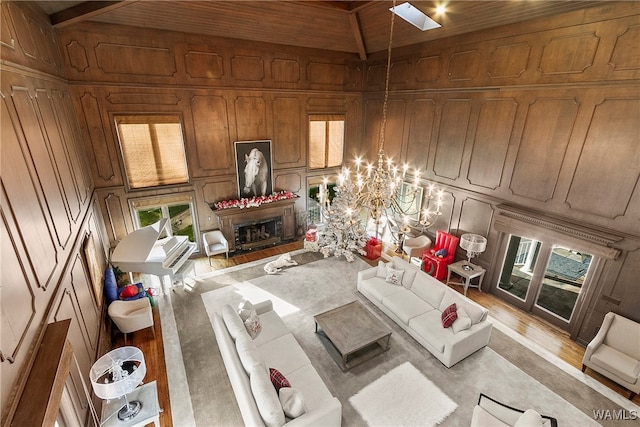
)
(414, 16)
(440, 9)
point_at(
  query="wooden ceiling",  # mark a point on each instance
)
(360, 27)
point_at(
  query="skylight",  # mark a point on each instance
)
(414, 16)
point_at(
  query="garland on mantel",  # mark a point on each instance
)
(253, 202)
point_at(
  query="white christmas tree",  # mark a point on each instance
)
(343, 233)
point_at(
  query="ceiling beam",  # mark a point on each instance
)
(357, 34)
(83, 11)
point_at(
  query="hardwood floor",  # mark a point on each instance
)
(535, 329)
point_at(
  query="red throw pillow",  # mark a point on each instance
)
(129, 291)
(449, 315)
(278, 380)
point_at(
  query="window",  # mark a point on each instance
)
(152, 150)
(177, 208)
(326, 141)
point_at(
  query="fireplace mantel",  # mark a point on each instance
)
(227, 218)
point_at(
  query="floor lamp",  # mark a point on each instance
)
(117, 374)
(474, 244)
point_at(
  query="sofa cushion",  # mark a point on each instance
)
(429, 327)
(530, 418)
(476, 313)
(449, 315)
(405, 305)
(376, 288)
(278, 380)
(462, 322)
(429, 289)
(248, 353)
(410, 271)
(232, 320)
(272, 328)
(292, 402)
(266, 398)
(308, 381)
(252, 324)
(616, 362)
(284, 354)
(394, 276)
(482, 418)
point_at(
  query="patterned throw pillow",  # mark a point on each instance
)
(253, 324)
(449, 315)
(394, 276)
(278, 380)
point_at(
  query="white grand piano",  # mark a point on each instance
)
(143, 252)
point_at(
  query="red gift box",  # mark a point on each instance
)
(310, 235)
(373, 248)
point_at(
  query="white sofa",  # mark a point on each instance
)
(248, 361)
(615, 352)
(417, 305)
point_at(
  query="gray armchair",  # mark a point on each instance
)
(615, 352)
(215, 243)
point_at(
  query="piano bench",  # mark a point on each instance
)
(187, 270)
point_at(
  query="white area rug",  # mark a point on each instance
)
(402, 397)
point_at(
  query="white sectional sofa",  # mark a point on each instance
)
(248, 361)
(417, 304)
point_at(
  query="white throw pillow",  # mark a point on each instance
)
(266, 398)
(292, 402)
(252, 324)
(232, 321)
(382, 270)
(462, 322)
(394, 276)
(244, 310)
(530, 418)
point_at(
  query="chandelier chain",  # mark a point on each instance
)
(386, 84)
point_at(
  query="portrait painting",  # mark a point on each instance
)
(253, 165)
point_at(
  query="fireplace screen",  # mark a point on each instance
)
(256, 234)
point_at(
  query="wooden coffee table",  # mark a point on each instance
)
(352, 334)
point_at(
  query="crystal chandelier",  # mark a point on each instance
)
(381, 189)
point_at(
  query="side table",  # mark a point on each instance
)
(147, 394)
(466, 275)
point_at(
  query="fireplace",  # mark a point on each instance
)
(256, 234)
(258, 226)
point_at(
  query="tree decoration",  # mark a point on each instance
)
(343, 233)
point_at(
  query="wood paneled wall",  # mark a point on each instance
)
(225, 91)
(50, 227)
(542, 115)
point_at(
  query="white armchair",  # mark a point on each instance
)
(215, 243)
(414, 246)
(131, 316)
(615, 352)
(490, 413)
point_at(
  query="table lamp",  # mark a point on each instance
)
(117, 374)
(474, 244)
